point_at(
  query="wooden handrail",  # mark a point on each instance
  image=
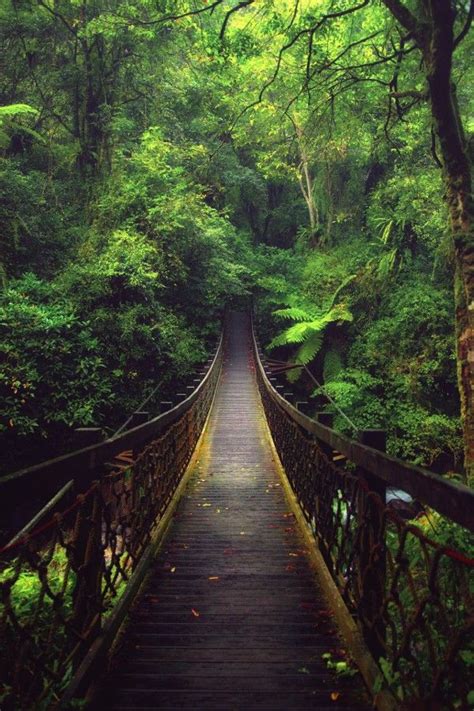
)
(81, 465)
(453, 500)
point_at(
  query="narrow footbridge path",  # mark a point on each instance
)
(219, 512)
(231, 617)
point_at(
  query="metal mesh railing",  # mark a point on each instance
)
(412, 597)
(59, 584)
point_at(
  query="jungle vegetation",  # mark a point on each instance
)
(159, 158)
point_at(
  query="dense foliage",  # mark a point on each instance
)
(154, 166)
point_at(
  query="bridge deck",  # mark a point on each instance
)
(232, 617)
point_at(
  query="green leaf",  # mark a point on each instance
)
(310, 348)
(16, 110)
(293, 313)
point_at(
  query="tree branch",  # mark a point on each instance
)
(409, 94)
(236, 8)
(402, 14)
(59, 17)
(172, 18)
(467, 25)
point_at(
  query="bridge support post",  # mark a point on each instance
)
(372, 552)
(86, 561)
(325, 418)
(305, 407)
(86, 436)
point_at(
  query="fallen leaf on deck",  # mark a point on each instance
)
(335, 695)
(172, 570)
(195, 612)
(213, 577)
(303, 670)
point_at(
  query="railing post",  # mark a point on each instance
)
(86, 561)
(86, 437)
(305, 407)
(325, 418)
(372, 557)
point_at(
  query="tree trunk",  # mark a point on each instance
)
(438, 48)
(433, 30)
(330, 204)
(306, 183)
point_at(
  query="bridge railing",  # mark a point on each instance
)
(411, 595)
(65, 587)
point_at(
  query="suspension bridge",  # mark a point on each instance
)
(234, 553)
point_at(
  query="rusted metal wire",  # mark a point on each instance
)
(59, 583)
(412, 597)
(278, 367)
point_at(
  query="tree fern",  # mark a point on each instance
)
(297, 333)
(294, 314)
(308, 331)
(16, 110)
(7, 116)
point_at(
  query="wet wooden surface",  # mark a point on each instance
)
(232, 617)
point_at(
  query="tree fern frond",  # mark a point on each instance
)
(387, 264)
(386, 231)
(295, 334)
(293, 375)
(341, 286)
(293, 313)
(312, 345)
(17, 110)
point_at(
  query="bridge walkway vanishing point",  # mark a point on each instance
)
(231, 616)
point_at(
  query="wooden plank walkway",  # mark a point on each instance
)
(232, 617)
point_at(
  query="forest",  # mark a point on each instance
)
(161, 159)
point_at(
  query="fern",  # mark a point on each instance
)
(310, 348)
(7, 116)
(341, 286)
(297, 333)
(16, 110)
(294, 314)
(332, 365)
(309, 325)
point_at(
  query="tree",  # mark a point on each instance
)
(432, 27)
